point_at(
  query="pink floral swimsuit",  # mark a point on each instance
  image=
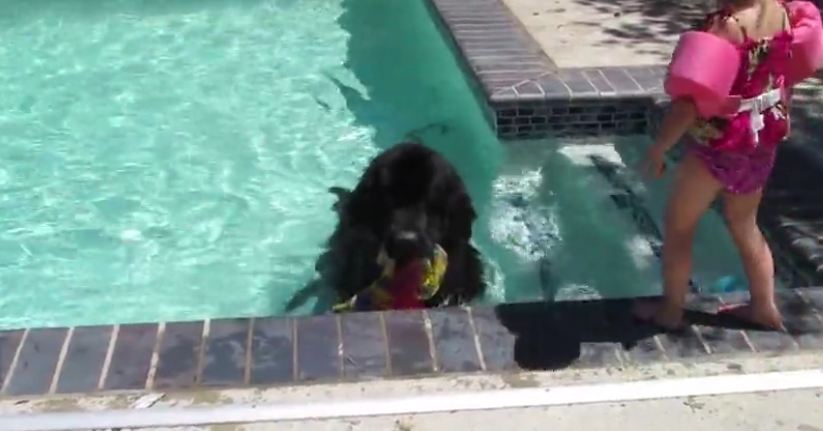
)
(737, 153)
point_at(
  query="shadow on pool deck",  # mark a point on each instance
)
(658, 17)
(554, 336)
(646, 21)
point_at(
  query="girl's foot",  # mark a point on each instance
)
(768, 317)
(668, 319)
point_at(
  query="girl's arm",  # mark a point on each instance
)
(680, 116)
(683, 112)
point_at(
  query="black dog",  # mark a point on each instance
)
(409, 200)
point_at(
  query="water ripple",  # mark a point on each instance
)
(168, 166)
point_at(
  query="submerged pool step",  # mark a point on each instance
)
(630, 202)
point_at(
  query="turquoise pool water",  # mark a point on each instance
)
(577, 219)
(169, 160)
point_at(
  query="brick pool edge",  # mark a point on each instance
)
(527, 96)
(270, 351)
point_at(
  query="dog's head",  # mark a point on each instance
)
(413, 200)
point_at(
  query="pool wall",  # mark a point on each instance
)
(526, 96)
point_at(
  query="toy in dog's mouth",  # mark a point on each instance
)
(399, 288)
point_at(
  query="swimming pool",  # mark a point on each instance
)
(169, 160)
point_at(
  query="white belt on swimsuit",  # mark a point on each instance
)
(757, 105)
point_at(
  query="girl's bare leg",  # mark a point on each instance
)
(741, 219)
(693, 192)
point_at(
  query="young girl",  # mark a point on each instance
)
(730, 156)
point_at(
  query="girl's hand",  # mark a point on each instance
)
(680, 116)
(655, 163)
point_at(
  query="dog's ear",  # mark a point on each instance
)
(460, 215)
(366, 197)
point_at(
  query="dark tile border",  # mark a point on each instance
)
(178, 354)
(36, 362)
(455, 344)
(87, 349)
(272, 354)
(275, 351)
(131, 357)
(225, 353)
(365, 345)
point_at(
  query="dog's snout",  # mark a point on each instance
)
(406, 245)
(405, 242)
(406, 235)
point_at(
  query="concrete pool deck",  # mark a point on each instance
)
(596, 33)
(714, 392)
(739, 412)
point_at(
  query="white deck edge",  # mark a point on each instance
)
(444, 402)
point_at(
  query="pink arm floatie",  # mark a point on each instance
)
(703, 68)
(807, 43)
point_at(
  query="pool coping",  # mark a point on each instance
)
(272, 351)
(526, 97)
